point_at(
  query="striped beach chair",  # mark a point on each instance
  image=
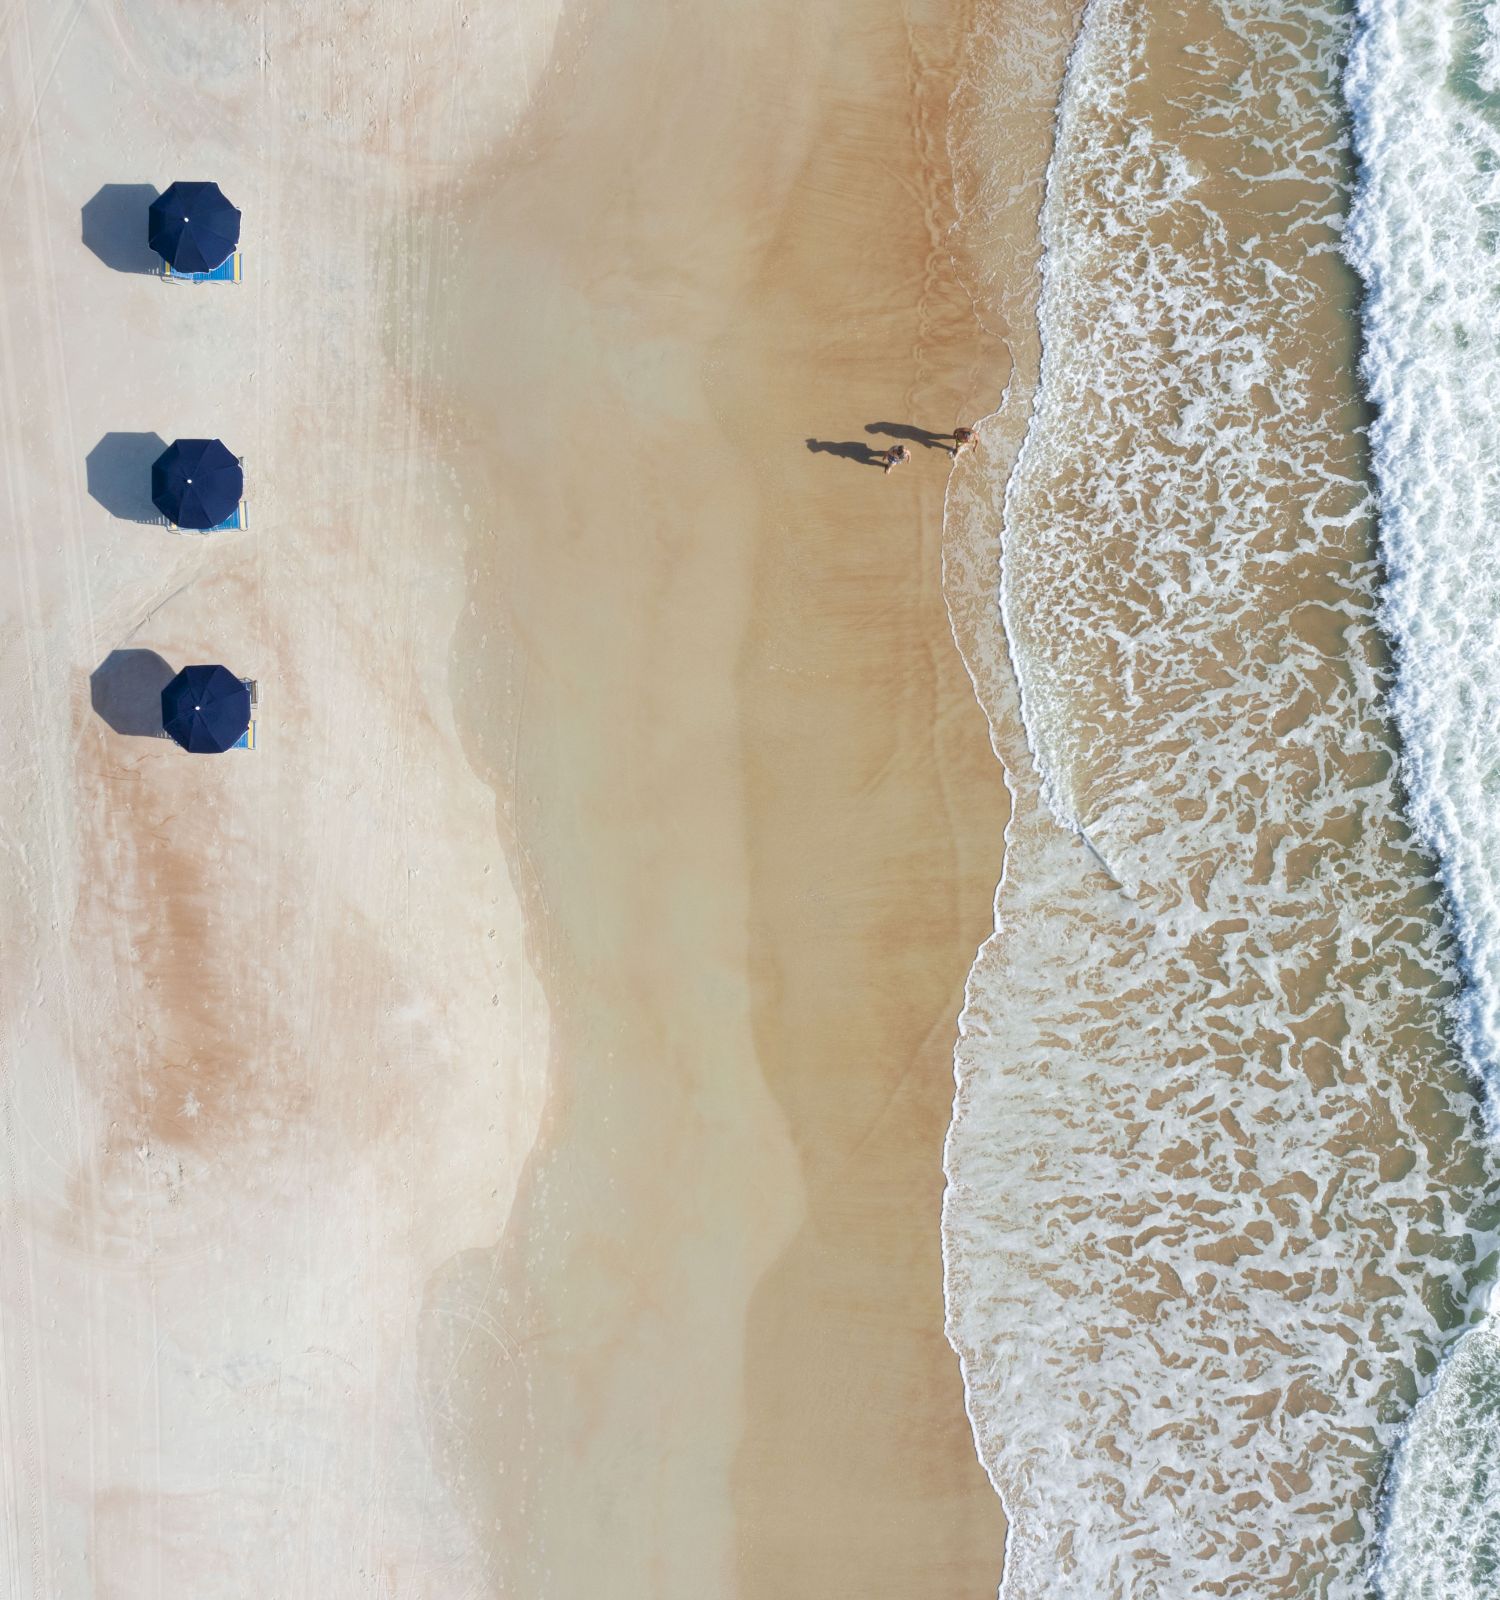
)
(246, 740)
(226, 272)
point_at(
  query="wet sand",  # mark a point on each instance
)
(756, 812)
(875, 811)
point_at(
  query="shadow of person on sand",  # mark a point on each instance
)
(912, 434)
(855, 450)
(125, 689)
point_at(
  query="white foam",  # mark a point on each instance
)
(1424, 235)
(1423, 87)
(1198, 1219)
(1442, 1533)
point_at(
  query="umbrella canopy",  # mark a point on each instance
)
(196, 483)
(205, 709)
(193, 227)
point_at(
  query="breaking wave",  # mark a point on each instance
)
(1423, 87)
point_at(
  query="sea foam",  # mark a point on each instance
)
(1213, 1160)
(1423, 87)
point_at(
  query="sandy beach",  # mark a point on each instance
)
(490, 1139)
(759, 820)
(487, 1140)
(273, 1050)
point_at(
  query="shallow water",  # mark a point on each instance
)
(1219, 1189)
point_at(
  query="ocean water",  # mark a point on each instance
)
(1221, 1196)
(1424, 93)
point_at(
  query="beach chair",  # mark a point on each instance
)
(238, 518)
(226, 272)
(246, 740)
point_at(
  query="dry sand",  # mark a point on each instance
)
(272, 1050)
(594, 701)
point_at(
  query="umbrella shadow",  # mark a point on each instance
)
(125, 689)
(114, 227)
(912, 434)
(856, 450)
(119, 475)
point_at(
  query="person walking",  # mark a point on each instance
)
(963, 439)
(895, 456)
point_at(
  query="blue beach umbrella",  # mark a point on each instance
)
(205, 709)
(196, 483)
(192, 227)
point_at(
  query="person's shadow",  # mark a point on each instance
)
(118, 470)
(114, 227)
(912, 435)
(125, 689)
(856, 450)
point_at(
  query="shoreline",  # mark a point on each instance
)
(1001, 130)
